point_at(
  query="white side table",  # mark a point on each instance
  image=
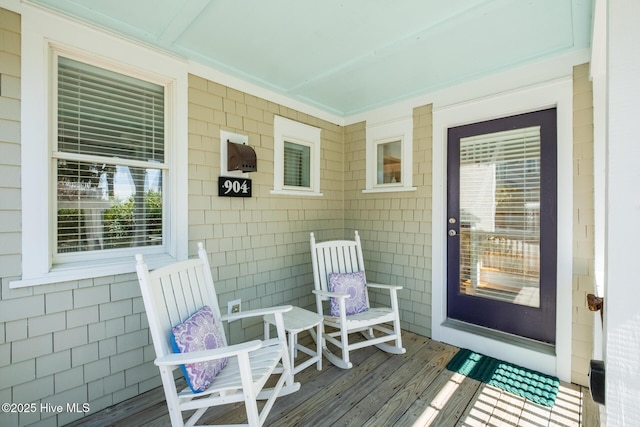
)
(296, 321)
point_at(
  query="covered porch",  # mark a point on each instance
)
(414, 389)
(76, 331)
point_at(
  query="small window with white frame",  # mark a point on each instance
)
(296, 158)
(389, 163)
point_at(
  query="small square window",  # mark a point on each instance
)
(389, 156)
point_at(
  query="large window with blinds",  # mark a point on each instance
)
(109, 160)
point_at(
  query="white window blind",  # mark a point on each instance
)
(297, 164)
(500, 215)
(110, 159)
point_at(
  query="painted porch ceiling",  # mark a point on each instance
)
(348, 56)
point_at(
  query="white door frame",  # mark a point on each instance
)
(559, 94)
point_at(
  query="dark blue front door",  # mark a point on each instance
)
(502, 222)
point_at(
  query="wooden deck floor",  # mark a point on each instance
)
(414, 389)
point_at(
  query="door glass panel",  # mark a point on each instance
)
(500, 216)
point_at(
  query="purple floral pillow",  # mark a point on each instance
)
(353, 284)
(199, 332)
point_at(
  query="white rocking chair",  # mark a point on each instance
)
(174, 292)
(345, 256)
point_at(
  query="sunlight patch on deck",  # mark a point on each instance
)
(446, 393)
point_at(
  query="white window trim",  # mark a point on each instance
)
(42, 30)
(298, 133)
(401, 130)
(553, 94)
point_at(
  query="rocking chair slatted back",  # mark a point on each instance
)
(184, 290)
(341, 256)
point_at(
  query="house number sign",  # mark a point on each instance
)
(234, 187)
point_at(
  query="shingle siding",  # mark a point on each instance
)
(395, 228)
(583, 224)
(259, 246)
(17, 358)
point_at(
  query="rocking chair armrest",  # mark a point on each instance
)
(381, 286)
(255, 313)
(174, 359)
(330, 294)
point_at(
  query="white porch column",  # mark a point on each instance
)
(622, 252)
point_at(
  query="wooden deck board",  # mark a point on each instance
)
(480, 409)
(590, 414)
(567, 410)
(433, 363)
(508, 408)
(534, 415)
(328, 392)
(413, 389)
(427, 406)
(362, 400)
(455, 405)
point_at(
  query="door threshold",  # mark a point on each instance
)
(522, 342)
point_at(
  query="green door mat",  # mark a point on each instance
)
(531, 385)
